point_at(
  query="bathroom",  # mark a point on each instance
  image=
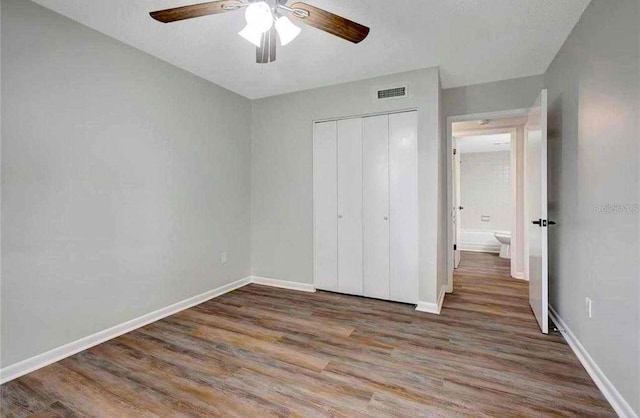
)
(489, 189)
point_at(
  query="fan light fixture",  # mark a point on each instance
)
(287, 31)
(260, 19)
(268, 19)
(251, 35)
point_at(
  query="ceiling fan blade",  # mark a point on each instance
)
(196, 10)
(331, 23)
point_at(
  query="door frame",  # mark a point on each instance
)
(450, 185)
(456, 213)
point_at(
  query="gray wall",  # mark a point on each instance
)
(443, 202)
(123, 178)
(594, 156)
(0, 182)
(282, 176)
(517, 93)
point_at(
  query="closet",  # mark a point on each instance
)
(365, 201)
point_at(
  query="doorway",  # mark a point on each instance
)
(488, 190)
(511, 180)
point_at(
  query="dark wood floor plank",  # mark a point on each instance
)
(260, 351)
(81, 393)
(128, 385)
(22, 399)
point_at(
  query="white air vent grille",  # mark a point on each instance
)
(392, 93)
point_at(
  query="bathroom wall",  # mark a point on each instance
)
(485, 184)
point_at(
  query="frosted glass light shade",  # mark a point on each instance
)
(251, 35)
(259, 16)
(287, 31)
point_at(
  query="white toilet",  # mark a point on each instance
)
(504, 237)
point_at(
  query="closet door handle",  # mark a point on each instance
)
(339, 216)
(386, 218)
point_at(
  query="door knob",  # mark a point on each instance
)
(543, 223)
(386, 218)
(339, 216)
(460, 207)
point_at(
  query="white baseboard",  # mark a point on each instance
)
(283, 284)
(619, 404)
(480, 248)
(41, 360)
(430, 307)
(443, 292)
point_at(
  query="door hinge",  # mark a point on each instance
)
(455, 247)
(455, 151)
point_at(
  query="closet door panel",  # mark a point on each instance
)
(375, 151)
(325, 205)
(350, 206)
(403, 189)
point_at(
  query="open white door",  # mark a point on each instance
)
(536, 204)
(456, 206)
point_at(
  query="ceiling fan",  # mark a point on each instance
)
(266, 18)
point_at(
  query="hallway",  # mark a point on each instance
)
(483, 284)
(500, 325)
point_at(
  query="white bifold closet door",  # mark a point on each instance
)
(390, 198)
(337, 196)
(366, 206)
(350, 206)
(325, 205)
(403, 201)
(375, 157)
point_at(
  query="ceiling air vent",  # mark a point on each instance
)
(399, 92)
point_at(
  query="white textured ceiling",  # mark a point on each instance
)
(473, 41)
(472, 127)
